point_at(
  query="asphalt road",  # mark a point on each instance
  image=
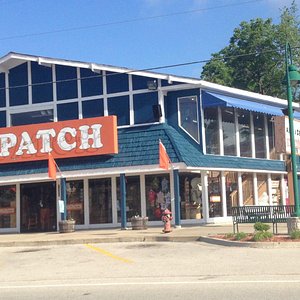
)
(161, 270)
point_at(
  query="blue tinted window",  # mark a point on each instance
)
(143, 110)
(92, 108)
(2, 90)
(67, 111)
(41, 83)
(119, 106)
(66, 85)
(116, 82)
(32, 117)
(140, 82)
(91, 83)
(18, 76)
(2, 119)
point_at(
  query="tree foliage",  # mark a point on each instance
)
(254, 60)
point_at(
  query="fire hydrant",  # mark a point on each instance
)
(166, 218)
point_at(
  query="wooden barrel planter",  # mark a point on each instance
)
(66, 226)
(139, 223)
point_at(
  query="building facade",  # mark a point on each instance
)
(220, 140)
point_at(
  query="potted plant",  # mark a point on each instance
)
(139, 223)
(66, 226)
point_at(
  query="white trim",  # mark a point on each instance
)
(131, 104)
(240, 189)
(79, 99)
(220, 128)
(54, 93)
(29, 82)
(223, 194)
(8, 119)
(205, 204)
(267, 146)
(252, 136)
(237, 133)
(143, 195)
(269, 188)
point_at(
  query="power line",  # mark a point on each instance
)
(146, 69)
(127, 21)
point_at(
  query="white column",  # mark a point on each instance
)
(240, 189)
(205, 200)
(224, 199)
(252, 134)
(255, 189)
(237, 133)
(220, 131)
(143, 193)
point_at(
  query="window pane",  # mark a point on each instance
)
(100, 201)
(262, 189)
(191, 196)
(133, 197)
(276, 191)
(140, 82)
(211, 131)
(271, 133)
(158, 196)
(2, 119)
(119, 106)
(245, 133)
(33, 117)
(228, 127)
(91, 83)
(42, 89)
(232, 191)
(67, 111)
(116, 82)
(215, 194)
(2, 90)
(143, 107)
(259, 132)
(8, 206)
(92, 108)
(66, 82)
(188, 110)
(247, 186)
(75, 203)
(18, 76)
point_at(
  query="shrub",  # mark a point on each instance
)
(262, 235)
(229, 235)
(261, 227)
(295, 234)
(240, 235)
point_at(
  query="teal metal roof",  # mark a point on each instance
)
(139, 146)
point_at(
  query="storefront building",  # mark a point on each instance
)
(220, 141)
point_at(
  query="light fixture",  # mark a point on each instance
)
(152, 85)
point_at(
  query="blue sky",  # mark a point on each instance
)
(40, 27)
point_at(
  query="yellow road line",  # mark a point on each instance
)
(102, 251)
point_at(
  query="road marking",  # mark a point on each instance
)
(145, 283)
(102, 251)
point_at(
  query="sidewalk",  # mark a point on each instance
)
(186, 233)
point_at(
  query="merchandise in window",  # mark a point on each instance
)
(133, 197)
(75, 201)
(100, 201)
(190, 196)
(158, 196)
(214, 194)
(8, 206)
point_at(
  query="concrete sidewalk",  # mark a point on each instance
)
(183, 234)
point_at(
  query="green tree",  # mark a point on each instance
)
(254, 58)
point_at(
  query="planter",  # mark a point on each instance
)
(139, 223)
(66, 226)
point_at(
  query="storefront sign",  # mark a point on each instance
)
(75, 206)
(74, 138)
(282, 135)
(7, 211)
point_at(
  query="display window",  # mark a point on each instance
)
(133, 197)
(215, 194)
(8, 206)
(100, 201)
(190, 196)
(75, 203)
(158, 196)
(248, 188)
(232, 191)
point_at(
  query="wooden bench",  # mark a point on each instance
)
(264, 213)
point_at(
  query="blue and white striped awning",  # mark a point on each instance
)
(212, 100)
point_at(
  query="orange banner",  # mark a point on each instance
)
(74, 138)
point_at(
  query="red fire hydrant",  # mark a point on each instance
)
(166, 218)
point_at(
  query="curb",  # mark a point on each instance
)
(272, 245)
(164, 238)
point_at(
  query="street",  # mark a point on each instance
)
(148, 271)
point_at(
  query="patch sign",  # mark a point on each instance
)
(74, 138)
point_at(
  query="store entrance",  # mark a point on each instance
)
(38, 207)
